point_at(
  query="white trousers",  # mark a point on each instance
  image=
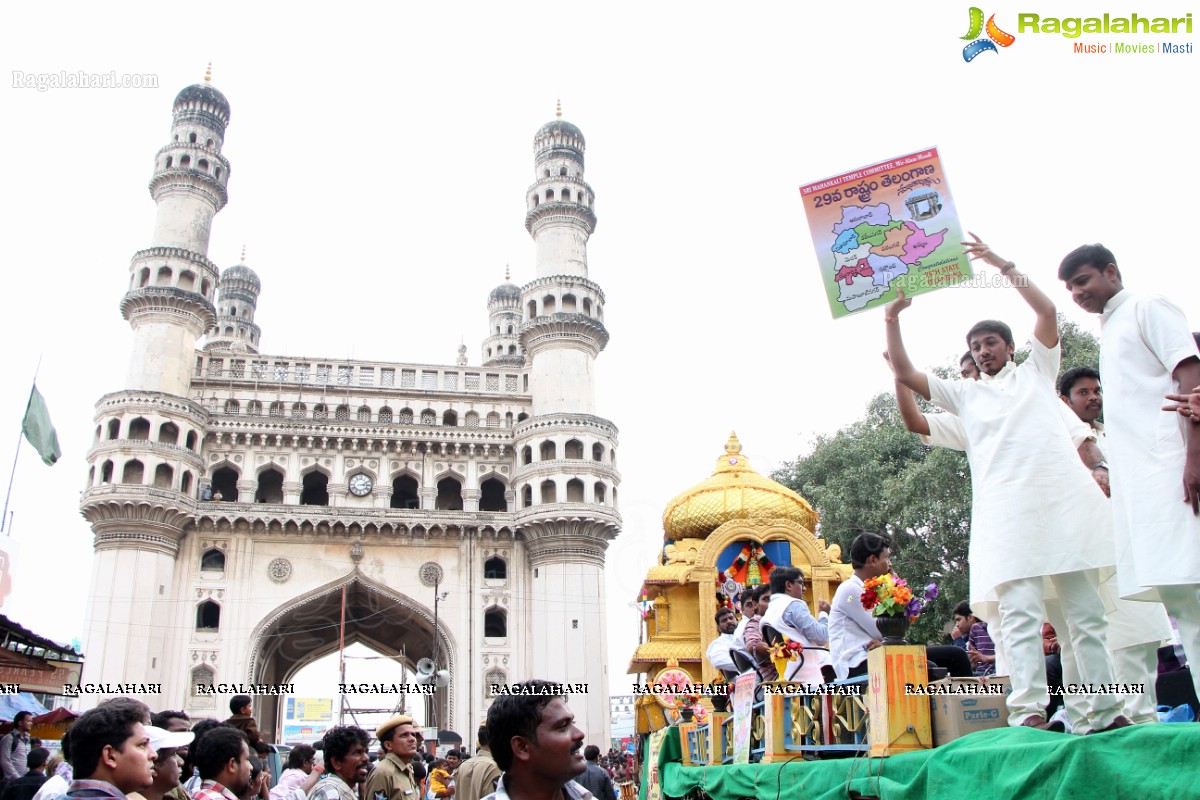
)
(1081, 631)
(1183, 603)
(1132, 666)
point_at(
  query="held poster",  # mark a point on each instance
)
(888, 226)
(743, 710)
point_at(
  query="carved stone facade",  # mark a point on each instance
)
(239, 499)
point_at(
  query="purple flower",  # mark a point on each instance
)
(913, 608)
(931, 592)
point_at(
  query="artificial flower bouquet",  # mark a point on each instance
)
(890, 596)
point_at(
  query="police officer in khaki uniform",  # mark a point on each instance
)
(392, 778)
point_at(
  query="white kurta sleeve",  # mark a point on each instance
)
(946, 395)
(1079, 430)
(945, 430)
(1046, 360)
(1165, 331)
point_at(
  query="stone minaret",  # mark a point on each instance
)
(502, 347)
(566, 476)
(237, 301)
(146, 459)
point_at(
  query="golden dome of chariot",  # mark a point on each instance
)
(735, 491)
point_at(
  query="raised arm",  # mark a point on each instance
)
(910, 413)
(1045, 329)
(902, 367)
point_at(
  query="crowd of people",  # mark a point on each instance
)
(1088, 531)
(529, 748)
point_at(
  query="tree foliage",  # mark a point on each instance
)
(873, 475)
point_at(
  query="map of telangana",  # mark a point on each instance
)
(885, 227)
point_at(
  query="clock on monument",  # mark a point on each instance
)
(360, 485)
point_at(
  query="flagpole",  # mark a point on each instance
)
(20, 435)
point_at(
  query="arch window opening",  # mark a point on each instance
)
(527, 497)
(574, 491)
(599, 490)
(526, 455)
(106, 472)
(315, 489)
(548, 304)
(208, 616)
(213, 560)
(491, 496)
(224, 485)
(114, 428)
(428, 417)
(139, 429)
(404, 493)
(449, 495)
(597, 452)
(548, 451)
(270, 487)
(549, 492)
(164, 477)
(385, 415)
(133, 472)
(450, 419)
(185, 485)
(201, 677)
(495, 569)
(190, 442)
(364, 414)
(495, 624)
(574, 449)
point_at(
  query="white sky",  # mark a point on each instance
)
(380, 156)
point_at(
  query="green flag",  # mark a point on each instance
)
(38, 430)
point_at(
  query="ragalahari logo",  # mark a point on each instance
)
(995, 36)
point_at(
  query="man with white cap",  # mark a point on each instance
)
(168, 764)
(392, 778)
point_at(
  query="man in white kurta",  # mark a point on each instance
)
(1038, 517)
(1147, 351)
(852, 630)
(1135, 630)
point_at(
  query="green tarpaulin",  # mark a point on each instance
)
(1145, 761)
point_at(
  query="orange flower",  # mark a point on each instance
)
(903, 594)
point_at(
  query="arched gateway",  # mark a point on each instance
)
(307, 628)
